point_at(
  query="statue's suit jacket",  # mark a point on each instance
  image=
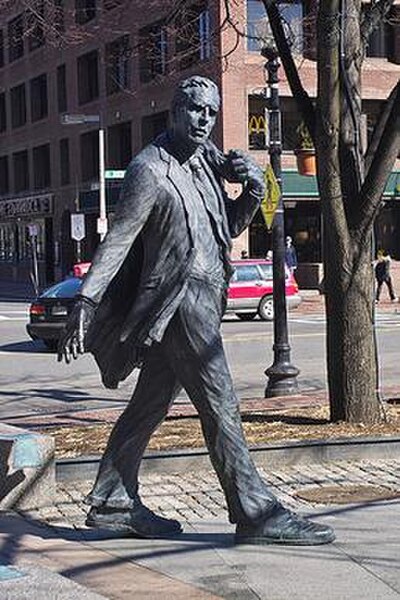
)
(140, 271)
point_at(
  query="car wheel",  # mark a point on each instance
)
(51, 344)
(266, 308)
(246, 316)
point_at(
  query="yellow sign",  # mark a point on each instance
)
(257, 124)
(270, 201)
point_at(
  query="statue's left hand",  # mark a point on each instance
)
(241, 168)
(72, 340)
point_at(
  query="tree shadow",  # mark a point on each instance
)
(287, 419)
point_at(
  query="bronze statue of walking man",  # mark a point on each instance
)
(154, 298)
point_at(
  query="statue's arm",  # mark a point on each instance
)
(133, 209)
(241, 211)
(239, 167)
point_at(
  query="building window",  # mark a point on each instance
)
(193, 35)
(7, 243)
(39, 105)
(153, 51)
(18, 106)
(85, 10)
(119, 141)
(41, 167)
(4, 176)
(62, 102)
(153, 125)
(257, 124)
(65, 174)
(88, 77)
(21, 171)
(3, 112)
(90, 156)
(34, 25)
(259, 31)
(117, 65)
(16, 38)
(1, 48)
(379, 42)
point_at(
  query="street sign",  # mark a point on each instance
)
(102, 226)
(270, 201)
(68, 119)
(78, 226)
(114, 174)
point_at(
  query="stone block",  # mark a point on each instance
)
(27, 468)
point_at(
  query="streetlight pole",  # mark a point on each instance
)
(102, 225)
(282, 373)
(69, 119)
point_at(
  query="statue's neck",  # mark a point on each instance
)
(182, 150)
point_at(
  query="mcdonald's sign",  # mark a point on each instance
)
(257, 124)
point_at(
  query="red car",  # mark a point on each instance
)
(251, 287)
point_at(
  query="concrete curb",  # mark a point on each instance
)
(27, 473)
(269, 455)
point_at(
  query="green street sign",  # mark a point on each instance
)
(117, 174)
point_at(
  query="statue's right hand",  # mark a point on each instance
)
(72, 340)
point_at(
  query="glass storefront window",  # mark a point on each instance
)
(15, 242)
(7, 243)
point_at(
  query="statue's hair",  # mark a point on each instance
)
(186, 85)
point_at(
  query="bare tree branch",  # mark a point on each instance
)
(381, 165)
(373, 16)
(299, 93)
(380, 127)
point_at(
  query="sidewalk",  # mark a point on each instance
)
(57, 555)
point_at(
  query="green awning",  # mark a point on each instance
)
(298, 186)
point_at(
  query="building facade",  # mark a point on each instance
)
(114, 64)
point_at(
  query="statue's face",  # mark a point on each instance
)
(194, 121)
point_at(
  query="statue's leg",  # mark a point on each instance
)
(116, 484)
(193, 346)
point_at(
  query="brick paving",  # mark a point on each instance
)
(192, 496)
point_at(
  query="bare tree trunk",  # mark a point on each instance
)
(351, 352)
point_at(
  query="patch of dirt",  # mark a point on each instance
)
(259, 427)
(344, 494)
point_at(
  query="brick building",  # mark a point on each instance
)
(119, 60)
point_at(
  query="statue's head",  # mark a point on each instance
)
(194, 110)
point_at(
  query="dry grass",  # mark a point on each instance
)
(260, 428)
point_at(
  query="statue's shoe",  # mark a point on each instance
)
(139, 521)
(284, 527)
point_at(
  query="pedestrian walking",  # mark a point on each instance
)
(290, 254)
(382, 275)
(154, 298)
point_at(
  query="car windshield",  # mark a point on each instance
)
(65, 289)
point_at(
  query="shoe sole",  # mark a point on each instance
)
(267, 541)
(120, 528)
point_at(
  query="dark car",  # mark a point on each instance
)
(49, 312)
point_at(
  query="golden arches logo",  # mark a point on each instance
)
(257, 124)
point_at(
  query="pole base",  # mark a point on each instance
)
(282, 380)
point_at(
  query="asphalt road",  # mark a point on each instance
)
(32, 382)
